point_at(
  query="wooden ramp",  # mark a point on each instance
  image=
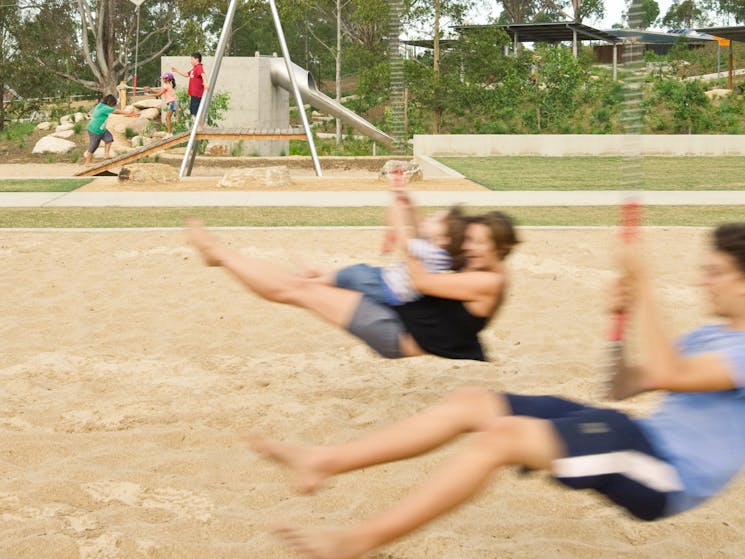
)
(206, 134)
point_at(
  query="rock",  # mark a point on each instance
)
(68, 133)
(64, 126)
(217, 149)
(258, 176)
(77, 117)
(412, 171)
(66, 119)
(714, 93)
(150, 114)
(44, 126)
(118, 125)
(148, 104)
(149, 172)
(50, 144)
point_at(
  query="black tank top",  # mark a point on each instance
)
(443, 327)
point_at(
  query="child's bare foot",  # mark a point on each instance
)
(322, 544)
(306, 463)
(200, 239)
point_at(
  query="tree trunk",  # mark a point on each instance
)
(338, 68)
(437, 112)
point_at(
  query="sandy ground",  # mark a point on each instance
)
(129, 371)
(206, 178)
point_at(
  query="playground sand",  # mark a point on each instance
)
(130, 370)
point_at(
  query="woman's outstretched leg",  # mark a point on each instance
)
(512, 440)
(466, 409)
(273, 282)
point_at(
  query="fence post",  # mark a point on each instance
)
(122, 87)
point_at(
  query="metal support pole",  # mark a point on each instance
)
(188, 162)
(295, 90)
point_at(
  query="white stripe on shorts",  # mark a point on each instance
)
(642, 468)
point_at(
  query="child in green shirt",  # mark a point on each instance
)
(97, 127)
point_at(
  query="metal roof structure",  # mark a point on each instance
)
(736, 33)
(553, 32)
(659, 37)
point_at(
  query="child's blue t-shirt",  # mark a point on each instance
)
(702, 434)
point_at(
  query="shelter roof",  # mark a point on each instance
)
(736, 33)
(553, 32)
(660, 37)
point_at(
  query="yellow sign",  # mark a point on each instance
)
(722, 41)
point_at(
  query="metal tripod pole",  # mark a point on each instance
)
(295, 90)
(188, 162)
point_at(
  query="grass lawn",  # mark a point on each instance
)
(41, 185)
(357, 216)
(601, 173)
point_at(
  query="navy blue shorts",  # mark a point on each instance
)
(367, 280)
(606, 452)
(194, 105)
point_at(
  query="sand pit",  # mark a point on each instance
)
(206, 178)
(129, 371)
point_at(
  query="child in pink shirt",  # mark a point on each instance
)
(166, 91)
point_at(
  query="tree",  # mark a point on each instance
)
(685, 14)
(645, 15)
(734, 8)
(93, 47)
(9, 18)
(434, 12)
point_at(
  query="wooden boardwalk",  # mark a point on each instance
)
(206, 134)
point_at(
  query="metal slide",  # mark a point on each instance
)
(311, 95)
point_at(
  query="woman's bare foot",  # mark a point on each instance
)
(322, 544)
(307, 464)
(201, 239)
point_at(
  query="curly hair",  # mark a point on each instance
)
(730, 239)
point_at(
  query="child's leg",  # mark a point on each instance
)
(508, 441)
(107, 149)
(467, 409)
(169, 125)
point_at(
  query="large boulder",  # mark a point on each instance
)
(717, 93)
(412, 171)
(149, 172)
(148, 104)
(118, 126)
(277, 176)
(50, 144)
(150, 114)
(68, 133)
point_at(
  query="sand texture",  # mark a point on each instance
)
(129, 371)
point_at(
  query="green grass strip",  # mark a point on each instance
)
(357, 216)
(600, 173)
(41, 185)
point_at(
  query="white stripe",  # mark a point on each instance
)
(647, 470)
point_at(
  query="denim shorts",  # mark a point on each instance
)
(367, 280)
(172, 106)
